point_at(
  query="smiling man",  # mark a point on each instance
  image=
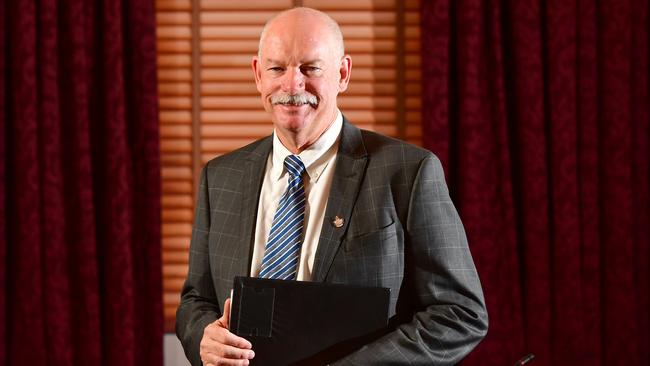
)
(321, 200)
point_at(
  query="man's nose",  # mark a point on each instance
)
(293, 81)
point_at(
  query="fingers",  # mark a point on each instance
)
(216, 333)
(221, 347)
(237, 353)
(219, 354)
(226, 355)
(226, 363)
(236, 341)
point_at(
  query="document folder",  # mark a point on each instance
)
(305, 323)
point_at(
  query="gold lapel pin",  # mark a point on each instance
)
(338, 221)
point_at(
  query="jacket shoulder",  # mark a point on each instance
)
(256, 150)
(392, 150)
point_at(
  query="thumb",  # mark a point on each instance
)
(225, 319)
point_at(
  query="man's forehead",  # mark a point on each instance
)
(311, 61)
(290, 38)
(303, 47)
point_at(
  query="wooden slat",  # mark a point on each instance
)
(227, 46)
(175, 102)
(223, 88)
(363, 17)
(175, 145)
(177, 201)
(327, 5)
(412, 18)
(176, 186)
(175, 270)
(175, 159)
(168, 5)
(170, 46)
(236, 130)
(368, 31)
(234, 116)
(173, 17)
(174, 75)
(225, 102)
(175, 130)
(231, 31)
(174, 60)
(174, 88)
(412, 4)
(236, 17)
(177, 229)
(176, 172)
(359, 87)
(175, 243)
(347, 102)
(174, 285)
(171, 116)
(412, 31)
(177, 215)
(173, 32)
(412, 46)
(246, 5)
(174, 257)
(225, 144)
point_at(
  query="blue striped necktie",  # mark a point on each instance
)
(282, 250)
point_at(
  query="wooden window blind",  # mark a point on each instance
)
(209, 104)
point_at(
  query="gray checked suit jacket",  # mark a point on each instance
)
(400, 230)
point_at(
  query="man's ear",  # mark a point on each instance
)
(257, 71)
(345, 70)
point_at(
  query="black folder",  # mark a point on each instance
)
(305, 323)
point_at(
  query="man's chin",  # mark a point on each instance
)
(291, 110)
(291, 123)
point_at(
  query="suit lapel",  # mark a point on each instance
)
(350, 168)
(253, 169)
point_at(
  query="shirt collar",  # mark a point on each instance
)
(315, 157)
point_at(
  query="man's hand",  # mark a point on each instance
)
(220, 347)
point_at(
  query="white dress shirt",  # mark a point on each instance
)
(319, 160)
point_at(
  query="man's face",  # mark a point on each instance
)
(299, 75)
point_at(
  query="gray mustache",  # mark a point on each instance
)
(296, 99)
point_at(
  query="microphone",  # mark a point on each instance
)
(525, 360)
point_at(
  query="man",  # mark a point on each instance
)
(369, 210)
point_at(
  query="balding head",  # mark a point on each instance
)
(297, 19)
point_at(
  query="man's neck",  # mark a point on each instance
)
(297, 142)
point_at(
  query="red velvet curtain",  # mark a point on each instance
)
(539, 112)
(80, 266)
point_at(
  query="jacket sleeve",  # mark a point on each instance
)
(451, 318)
(199, 304)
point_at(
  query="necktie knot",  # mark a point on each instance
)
(294, 165)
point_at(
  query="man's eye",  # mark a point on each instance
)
(311, 69)
(275, 69)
